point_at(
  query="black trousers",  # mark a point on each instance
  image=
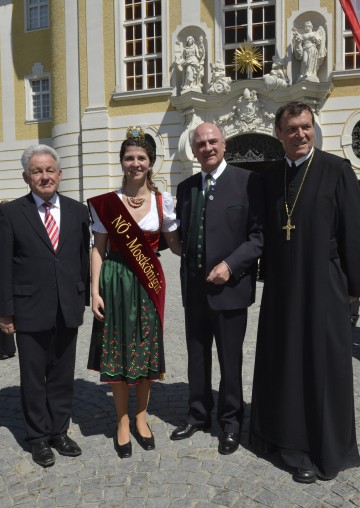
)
(228, 327)
(47, 365)
(7, 344)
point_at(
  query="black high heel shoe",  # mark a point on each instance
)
(148, 443)
(124, 451)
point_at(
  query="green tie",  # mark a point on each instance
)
(207, 186)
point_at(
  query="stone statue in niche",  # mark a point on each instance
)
(277, 78)
(310, 48)
(190, 60)
(219, 83)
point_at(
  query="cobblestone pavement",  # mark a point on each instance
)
(182, 474)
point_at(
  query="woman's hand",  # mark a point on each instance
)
(98, 307)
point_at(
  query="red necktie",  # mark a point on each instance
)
(51, 226)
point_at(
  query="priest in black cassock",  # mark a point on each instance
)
(302, 403)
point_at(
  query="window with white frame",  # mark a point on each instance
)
(40, 89)
(143, 44)
(37, 14)
(351, 52)
(251, 21)
(38, 95)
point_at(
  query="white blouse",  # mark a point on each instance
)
(151, 221)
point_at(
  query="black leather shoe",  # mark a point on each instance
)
(65, 446)
(187, 430)
(6, 356)
(124, 451)
(148, 443)
(229, 443)
(42, 454)
(304, 476)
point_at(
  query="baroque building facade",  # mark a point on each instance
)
(75, 74)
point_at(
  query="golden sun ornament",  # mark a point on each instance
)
(247, 58)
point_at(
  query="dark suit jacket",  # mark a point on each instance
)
(34, 279)
(234, 218)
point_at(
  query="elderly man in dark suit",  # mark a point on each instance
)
(44, 267)
(220, 211)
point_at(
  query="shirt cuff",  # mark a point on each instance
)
(227, 266)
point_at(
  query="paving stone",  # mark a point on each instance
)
(201, 492)
(158, 502)
(239, 485)
(225, 498)
(114, 495)
(343, 490)
(182, 474)
(183, 503)
(355, 499)
(335, 500)
(269, 498)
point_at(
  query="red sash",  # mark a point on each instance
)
(133, 246)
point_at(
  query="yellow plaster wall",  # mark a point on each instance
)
(207, 16)
(58, 74)
(329, 5)
(174, 21)
(346, 88)
(289, 7)
(139, 106)
(28, 48)
(109, 50)
(83, 57)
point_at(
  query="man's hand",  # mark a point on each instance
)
(7, 324)
(353, 299)
(220, 274)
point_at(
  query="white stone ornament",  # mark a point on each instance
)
(190, 61)
(248, 115)
(277, 78)
(310, 48)
(219, 83)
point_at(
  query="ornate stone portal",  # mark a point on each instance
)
(246, 108)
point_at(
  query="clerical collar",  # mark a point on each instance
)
(215, 173)
(298, 162)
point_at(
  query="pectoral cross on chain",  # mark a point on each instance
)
(288, 228)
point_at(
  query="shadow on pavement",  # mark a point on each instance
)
(356, 342)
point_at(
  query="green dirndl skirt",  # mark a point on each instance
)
(128, 345)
